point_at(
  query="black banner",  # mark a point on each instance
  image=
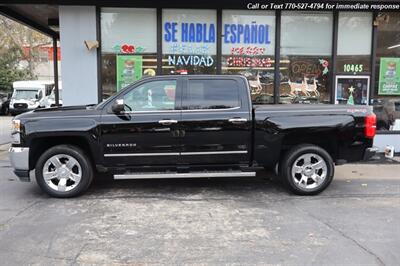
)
(324, 5)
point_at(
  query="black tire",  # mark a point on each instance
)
(85, 168)
(295, 155)
(6, 110)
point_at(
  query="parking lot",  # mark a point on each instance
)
(252, 221)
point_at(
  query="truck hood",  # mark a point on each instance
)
(66, 108)
(61, 112)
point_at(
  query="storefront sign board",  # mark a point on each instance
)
(129, 69)
(389, 76)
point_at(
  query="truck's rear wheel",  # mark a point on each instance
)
(307, 169)
(64, 171)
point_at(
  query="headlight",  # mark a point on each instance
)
(15, 131)
(15, 126)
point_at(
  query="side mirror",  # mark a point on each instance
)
(118, 106)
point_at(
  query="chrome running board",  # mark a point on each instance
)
(184, 175)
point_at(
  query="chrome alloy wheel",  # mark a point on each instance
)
(62, 172)
(309, 171)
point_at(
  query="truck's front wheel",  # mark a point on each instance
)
(307, 169)
(64, 171)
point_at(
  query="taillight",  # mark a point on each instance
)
(370, 126)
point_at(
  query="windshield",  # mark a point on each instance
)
(25, 94)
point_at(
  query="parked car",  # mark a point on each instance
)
(28, 94)
(4, 103)
(188, 126)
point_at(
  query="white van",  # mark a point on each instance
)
(28, 94)
(50, 100)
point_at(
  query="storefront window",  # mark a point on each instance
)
(353, 58)
(387, 86)
(248, 43)
(189, 41)
(128, 46)
(306, 50)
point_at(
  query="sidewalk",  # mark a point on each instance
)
(4, 151)
(5, 129)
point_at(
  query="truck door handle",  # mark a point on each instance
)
(167, 122)
(237, 120)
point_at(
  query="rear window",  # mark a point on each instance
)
(211, 94)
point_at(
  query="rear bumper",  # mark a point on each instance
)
(19, 158)
(370, 153)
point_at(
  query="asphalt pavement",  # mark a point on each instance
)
(234, 221)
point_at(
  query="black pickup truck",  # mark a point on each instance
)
(185, 127)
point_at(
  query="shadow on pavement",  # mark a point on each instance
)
(105, 186)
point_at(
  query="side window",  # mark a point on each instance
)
(152, 96)
(211, 94)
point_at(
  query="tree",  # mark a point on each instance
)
(18, 43)
(10, 70)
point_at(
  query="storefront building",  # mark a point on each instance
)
(341, 55)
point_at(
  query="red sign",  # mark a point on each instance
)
(236, 61)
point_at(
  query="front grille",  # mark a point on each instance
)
(20, 105)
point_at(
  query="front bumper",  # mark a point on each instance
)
(17, 111)
(19, 158)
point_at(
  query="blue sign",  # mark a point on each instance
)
(189, 32)
(206, 33)
(246, 33)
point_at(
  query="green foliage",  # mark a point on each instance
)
(10, 70)
(18, 45)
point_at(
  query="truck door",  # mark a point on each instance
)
(216, 121)
(146, 132)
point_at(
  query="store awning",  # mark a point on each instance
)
(43, 18)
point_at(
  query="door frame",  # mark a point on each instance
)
(108, 112)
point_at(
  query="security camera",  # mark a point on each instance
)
(91, 44)
(381, 18)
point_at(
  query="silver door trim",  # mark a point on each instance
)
(213, 152)
(211, 110)
(237, 120)
(141, 154)
(173, 153)
(167, 121)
